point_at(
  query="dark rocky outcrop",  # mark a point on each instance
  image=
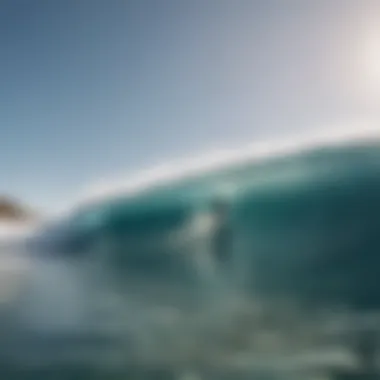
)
(13, 210)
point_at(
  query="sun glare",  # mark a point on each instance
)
(369, 55)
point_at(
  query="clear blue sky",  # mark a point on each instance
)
(89, 88)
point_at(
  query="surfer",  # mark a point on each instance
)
(207, 239)
(221, 235)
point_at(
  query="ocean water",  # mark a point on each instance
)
(134, 287)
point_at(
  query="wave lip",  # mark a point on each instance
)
(181, 169)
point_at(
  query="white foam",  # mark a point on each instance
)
(15, 230)
(177, 170)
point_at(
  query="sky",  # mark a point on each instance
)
(93, 88)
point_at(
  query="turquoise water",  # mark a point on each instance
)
(303, 242)
(304, 226)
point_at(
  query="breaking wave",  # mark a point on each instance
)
(302, 269)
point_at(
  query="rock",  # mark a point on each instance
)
(12, 210)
